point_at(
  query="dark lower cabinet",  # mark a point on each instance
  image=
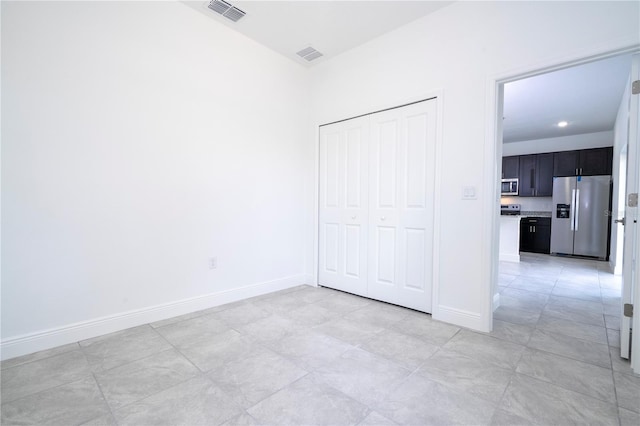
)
(535, 234)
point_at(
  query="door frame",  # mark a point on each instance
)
(438, 96)
(493, 157)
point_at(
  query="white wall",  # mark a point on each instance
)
(563, 143)
(139, 139)
(460, 49)
(621, 132)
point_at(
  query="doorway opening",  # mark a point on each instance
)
(545, 126)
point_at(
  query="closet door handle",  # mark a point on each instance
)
(383, 218)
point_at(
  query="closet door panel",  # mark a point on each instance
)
(343, 206)
(416, 205)
(402, 188)
(383, 213)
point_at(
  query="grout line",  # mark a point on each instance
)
(104, 398)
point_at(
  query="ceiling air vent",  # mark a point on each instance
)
(226, 10)
(309, 53)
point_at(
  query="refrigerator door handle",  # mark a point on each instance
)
(572, 209)
(577, 213)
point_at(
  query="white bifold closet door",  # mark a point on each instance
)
(344, 164)
(393, 232)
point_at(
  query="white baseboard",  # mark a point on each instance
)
(459, 317)
(506, 257)
(496, 301)
(308, 280)
(46, 339)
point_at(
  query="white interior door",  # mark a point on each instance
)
(344, 153)
(629, 263)
(401, 194)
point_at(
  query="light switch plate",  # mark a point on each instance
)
(469, 193)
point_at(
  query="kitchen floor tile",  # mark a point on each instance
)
(516, 316)
(420, 401)
(363, 376)
(273, 327)
(378, 314)
(586, 316)
(376, 419)
(310, 315)
(486, 348)
(47, 373)
(523, 299)
(467, 374)
(72, 403)
(423, 327)
(628, 417)
(309, 349)
(131, 382)
(198, 328)
(13, 362)
(571, 347)
(613, 338)
(537, 284)
(516, 333)
(254, 375)
(570, 374)
(113, 350)
(348, 331)
(580, 330)
(628, 391)
(215, 352)
(198, 401)
(343, 303)
(408, 351)
(323, 405)
(544, 403)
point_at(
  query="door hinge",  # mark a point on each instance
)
(635, 87)
(628, 310)
(633, 200)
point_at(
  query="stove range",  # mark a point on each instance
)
(510, 209)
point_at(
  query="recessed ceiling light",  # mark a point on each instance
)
(562, 124)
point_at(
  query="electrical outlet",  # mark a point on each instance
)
(213, 262)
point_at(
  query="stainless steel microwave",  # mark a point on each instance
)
(509, 187)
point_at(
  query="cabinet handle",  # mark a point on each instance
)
(383, 218)
(532, 179)
(353, 217)
(576, 171)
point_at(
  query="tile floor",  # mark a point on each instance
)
(309, 356)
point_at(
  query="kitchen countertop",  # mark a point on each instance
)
(535, 213)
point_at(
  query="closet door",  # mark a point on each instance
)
(344, 154)
(401, 200)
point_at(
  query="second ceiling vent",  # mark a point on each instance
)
(226, 10)
(309, 54)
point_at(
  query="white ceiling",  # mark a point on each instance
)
(587, 96)
(331, 27)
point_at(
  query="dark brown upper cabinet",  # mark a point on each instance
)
(586, 162)
(510, 167)
(536, 175)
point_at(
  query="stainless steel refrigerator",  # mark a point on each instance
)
(580, 219)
